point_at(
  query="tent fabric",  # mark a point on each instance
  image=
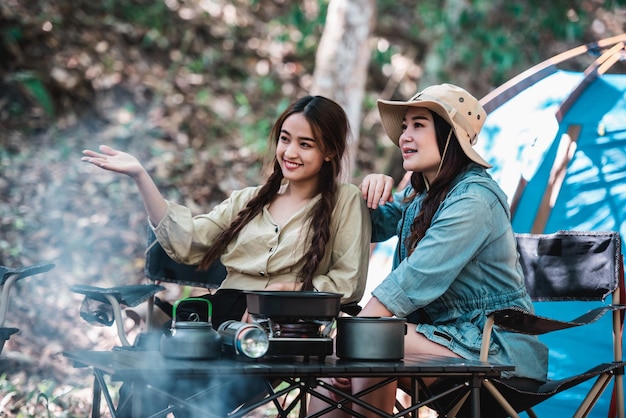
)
(521, 140)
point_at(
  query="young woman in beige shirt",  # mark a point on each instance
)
(302, 229)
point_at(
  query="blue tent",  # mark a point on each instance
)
(557, 141)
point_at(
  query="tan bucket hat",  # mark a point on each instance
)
(459, 108)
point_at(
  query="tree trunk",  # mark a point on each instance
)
(341, 64)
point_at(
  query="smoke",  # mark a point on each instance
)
(89, 223)
(202, 397)
(92, 225)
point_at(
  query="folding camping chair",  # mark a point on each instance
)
(8, 277)
(564, 266)
(103, 306)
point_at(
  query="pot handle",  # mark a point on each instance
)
(179, 301)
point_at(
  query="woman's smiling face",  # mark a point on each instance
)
(418, 142)
(297, 151)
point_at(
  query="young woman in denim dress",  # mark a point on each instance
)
(456, 257)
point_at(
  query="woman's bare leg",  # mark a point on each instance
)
(384, 398)
(316, 404)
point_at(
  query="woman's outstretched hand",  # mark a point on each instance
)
(377, 189)
(121, 162)
(114, 160)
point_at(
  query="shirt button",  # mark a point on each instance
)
(271, 249)
(276, 230)
(262, 273)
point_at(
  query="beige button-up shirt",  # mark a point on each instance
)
(264, 253)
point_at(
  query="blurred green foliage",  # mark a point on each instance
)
(35, 87)
(501, 38)
(493, 39)
(149, 14)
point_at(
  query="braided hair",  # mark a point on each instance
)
(331, 128)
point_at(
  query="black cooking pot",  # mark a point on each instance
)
(370, 338)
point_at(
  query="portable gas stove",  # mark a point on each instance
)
(297, 323)
(307, 338)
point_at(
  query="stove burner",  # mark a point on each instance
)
(298, 330)
(290, 336)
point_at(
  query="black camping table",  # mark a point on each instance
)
(304, 374)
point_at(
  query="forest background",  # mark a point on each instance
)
(192, 88)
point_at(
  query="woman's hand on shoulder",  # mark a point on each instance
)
(114, 160)
(377, 189)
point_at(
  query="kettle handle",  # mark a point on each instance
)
(179, 301)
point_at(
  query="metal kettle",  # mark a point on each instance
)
(191, 340)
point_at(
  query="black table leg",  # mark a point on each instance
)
(137, 406)
(475, 395)
(95, 405)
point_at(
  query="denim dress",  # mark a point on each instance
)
(464, 267)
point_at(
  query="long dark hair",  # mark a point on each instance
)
(331, 128)
(454, 162)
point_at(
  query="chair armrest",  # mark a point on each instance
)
(8, 276)
(22, 272)
(106, 310)
(5, 333)
(519, 320)
(130, 295)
